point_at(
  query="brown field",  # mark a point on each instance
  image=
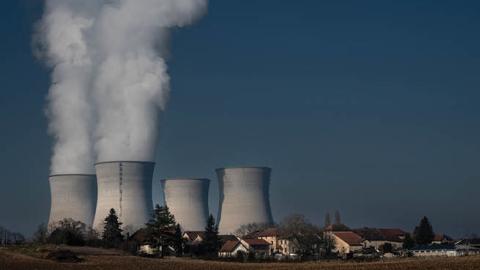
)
(97, 259)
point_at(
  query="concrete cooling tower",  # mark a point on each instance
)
(125, 186)
(73, 196)
(187, 200)
(243, 197)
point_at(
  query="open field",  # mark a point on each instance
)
(16, 259)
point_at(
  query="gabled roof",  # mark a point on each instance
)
(381, 234)
(192, 235)
(230, 246)
(349, 237)
(269, 232)
(256, 242)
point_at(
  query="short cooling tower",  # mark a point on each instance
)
(187, 200)
(243, 197)
(125, 186)
(73, 196)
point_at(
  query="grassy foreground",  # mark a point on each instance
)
(19, 259)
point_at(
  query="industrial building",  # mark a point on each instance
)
(73, 196)
(243, 197)
(187, 200)
(125, 186)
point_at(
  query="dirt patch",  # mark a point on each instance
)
(63, 256)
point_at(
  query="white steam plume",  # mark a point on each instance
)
(109, 79)
(62, 36)
(132, 83)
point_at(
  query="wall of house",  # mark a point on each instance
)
(239, 248)
(286, 247)
(343, 247)
(435, 253)
(272, 240)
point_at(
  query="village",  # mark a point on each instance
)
(367, 243)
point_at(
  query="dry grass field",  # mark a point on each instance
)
(95, 259)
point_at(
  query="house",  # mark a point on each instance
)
(286, 247)
(193, 237)
(345, 242)
(270, 235)
(258, 247)
(442, 239)
(448, 250)
(472, 242)
(377, 238)
(138, 242)
(278, 243)
(231, 248)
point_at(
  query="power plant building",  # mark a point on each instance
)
(125, 186)
(73, 196)
(187, 200)
(243, 197)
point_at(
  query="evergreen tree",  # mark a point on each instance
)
(211, 243)
(41, 234)
(178, 241)
(424, 232)
(328, 221)
(408, 242)
(112, 233)
(161, 229)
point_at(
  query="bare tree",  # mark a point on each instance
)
(40, 236)
(338, 220)
(328, 221)
(250, 228)
(304, 234)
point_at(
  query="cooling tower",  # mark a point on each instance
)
(243, 197)
(73, 196)
(187, 200)
(125, 186)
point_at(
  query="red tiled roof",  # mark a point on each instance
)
(374, 234)
(392, 232)
(229, 246)
(350, 238)
(256, 242)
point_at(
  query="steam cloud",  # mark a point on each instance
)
(109, 78)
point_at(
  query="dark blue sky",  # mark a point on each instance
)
(368, 107)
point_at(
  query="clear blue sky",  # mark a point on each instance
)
(368, 107)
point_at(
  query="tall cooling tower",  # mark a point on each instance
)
(125, 186)
(187, 200)
(243, 197)
(73, 196)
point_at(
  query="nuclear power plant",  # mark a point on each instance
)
(187, 200)
(73, 196)
(125, 186)
(243, 197)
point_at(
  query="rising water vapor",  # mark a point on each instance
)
(62, 40)
(109, 78)
(132, 84)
